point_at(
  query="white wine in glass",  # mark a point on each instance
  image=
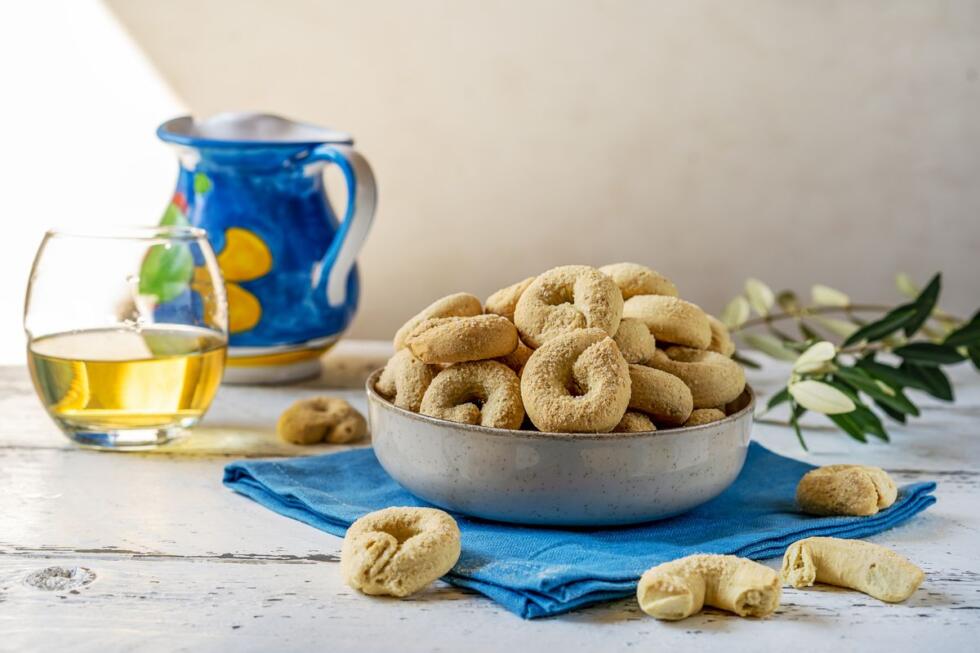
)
(127, 333)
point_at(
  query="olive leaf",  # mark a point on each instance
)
(924, 304)
(760, 296)
(820, 397)
(862, 381)
(929, 353)
(906, 286)
(910, 375)
(815, 358)
(929, 379)
(895, 377)
(974, 353)
(797, 411)
(833, 325)
(890, 323)
(826, 296)
(968, 334)
(859, 422)
(735, 313)
(769, 345)
(870, 422)
(848, 382)
(849, 425)
(780, 397)
(896, 415)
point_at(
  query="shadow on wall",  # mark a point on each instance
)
(76, 121)
(795, 142)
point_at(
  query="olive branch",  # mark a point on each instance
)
(843, 360)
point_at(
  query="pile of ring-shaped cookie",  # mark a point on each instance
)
(576, 349)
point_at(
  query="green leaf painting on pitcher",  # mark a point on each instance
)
(167, 270)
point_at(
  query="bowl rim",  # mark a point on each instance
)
(518, 434)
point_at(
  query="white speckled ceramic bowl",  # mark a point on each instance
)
(566, 479)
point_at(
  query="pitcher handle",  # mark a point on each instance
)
(362, 198)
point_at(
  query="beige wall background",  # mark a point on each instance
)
(793, 141)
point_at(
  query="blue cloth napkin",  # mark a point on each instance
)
(537, 572)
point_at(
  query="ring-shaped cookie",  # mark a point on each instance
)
(405, 379)
(576, 383)
(635, 279)
(671, 319)
(662, 396)
(504, 301)
(721, 339)
(321, 419)
(634, 340)
(517, 359)
(487, 393)
(635, 422)
(565, 299)
(461, 304)
(398, 551)
(462, 339)
(714, 379)
(701, 416)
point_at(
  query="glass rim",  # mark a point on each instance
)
(134, 233)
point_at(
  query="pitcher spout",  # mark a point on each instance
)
(244, 129)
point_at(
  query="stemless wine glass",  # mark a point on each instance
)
(127, 332)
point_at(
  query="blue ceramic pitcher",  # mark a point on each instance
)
(255, 183)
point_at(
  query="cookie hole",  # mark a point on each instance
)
(319, 406)
(402, 532)
(575, 388)
(475, 398)
(560, 296)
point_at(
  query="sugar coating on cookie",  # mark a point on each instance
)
(701, 416)
(846, 490)
(462, 339)
(588, 382)
(504, 301)
(399, 551)
(635, 279)
(576, 383)
(461, 304)
(321, 419)
(487, 393)
(517, 359)
(680, 588)
(565, 299)
(634, 422)
(714, 379)
(721, 339)
(635, 341)
(660, 395)
(671, 320)
(405, 379)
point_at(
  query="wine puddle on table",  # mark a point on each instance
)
(127, 378)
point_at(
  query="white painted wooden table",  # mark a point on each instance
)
(181, 563)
